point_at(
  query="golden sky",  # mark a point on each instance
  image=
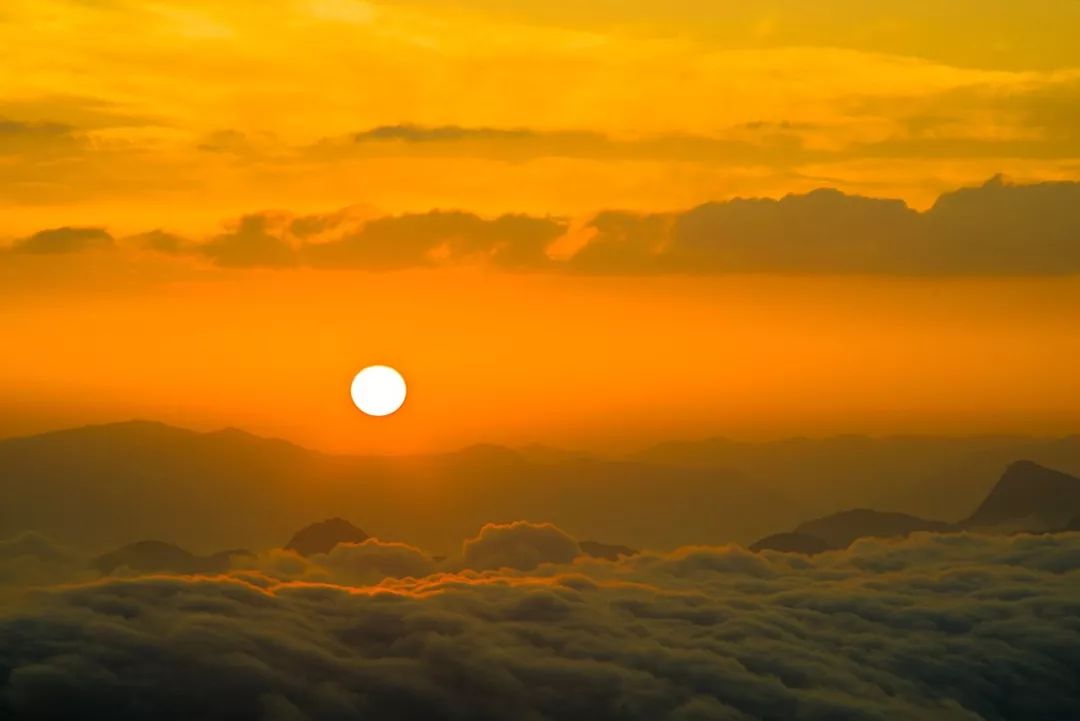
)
(184, 112)
(217, 212)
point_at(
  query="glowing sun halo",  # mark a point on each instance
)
(378, 390)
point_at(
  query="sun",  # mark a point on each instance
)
(378, 390)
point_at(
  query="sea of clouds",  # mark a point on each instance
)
(520, 626)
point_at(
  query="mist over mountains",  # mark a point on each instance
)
(104, 486)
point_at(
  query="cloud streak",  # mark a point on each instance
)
(412, 133)
(64, 240)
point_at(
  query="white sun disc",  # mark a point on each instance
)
(378, 390)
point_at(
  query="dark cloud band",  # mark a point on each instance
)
(997, 229)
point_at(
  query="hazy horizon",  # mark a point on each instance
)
(616, 452)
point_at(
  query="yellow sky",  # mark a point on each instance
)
(184, 115)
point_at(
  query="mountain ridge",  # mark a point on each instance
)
(1027, 497)
(1029, 489)
(230, 488)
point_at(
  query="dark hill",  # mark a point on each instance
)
(925, 476)
(1027, 497)
(1029, 492)
(321, 537)
(839, 530)
(100, 486)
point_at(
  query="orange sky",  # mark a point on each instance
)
(574, 361)
(327, 118)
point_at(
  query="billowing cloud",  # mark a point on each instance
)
(995, 229)
(373, 560)
(957, 627)
(31, 559)
(347, 563)
(521, 545)
(254, 243)
(998, 228)
(412, 240)
(1002, 228)
(339, 240)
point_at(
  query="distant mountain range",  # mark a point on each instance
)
(1027, 497)
(101, 486)
(929, 476)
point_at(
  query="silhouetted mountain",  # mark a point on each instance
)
(321, 537)
(927, 476)
(101, 486)
(538, 453)
(1026, 497)
(162, 557)
(607, 551)
(792, 543)
(1029, 494)
(838, 530)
